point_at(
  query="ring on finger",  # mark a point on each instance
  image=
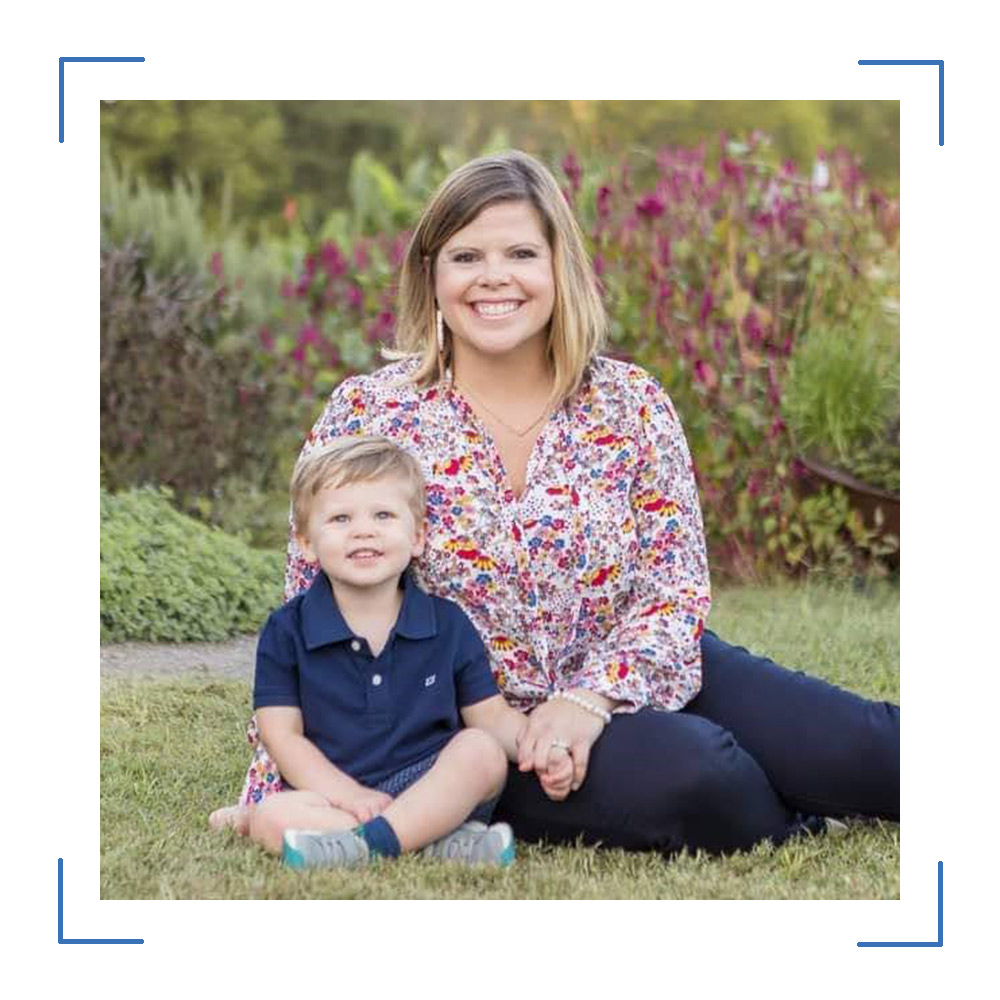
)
(561, 744)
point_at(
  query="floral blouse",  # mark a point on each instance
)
(595, 577)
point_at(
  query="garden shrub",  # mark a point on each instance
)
(714, 275)
(182, 403)
(719, 273)
(168, 577)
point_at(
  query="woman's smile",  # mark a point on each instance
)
(496, 309)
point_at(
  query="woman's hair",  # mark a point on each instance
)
(579, 322)
(354, 459)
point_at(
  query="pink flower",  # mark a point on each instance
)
(308, 335)
(705, 373)
(355, 297)
(705, 309)
(333, 261)
(216, 265)
(651, 207)
(361, 259)
(599, 266)
(752, 327)
(266, 340)
(604, 201)
(572, 170)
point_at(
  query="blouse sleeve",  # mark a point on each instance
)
(346, 412)
(652, 654)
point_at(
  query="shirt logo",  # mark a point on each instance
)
(428, 681)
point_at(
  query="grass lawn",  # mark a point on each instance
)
(173, 750)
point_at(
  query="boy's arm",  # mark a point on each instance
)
(504, 723)
(307, 768)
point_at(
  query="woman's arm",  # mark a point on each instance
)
(652, 653)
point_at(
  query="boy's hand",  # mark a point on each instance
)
(365, 804)
(557, 779)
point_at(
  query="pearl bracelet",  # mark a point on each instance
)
(584, 703)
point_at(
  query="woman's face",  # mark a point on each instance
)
(494, 282)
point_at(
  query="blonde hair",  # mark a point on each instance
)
(353, 459)
(579, 322)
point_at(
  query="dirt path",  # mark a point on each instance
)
(233, 658)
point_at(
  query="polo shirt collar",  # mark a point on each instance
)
(323, 624)
(417, 619)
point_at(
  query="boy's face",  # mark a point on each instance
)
(363, 534)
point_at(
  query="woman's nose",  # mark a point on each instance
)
(494, 273)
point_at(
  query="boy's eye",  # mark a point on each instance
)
(385, 515)
(339, 518)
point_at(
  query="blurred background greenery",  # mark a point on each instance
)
(747, 252)
(251, 156)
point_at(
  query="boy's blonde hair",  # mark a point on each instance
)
(579, 322)
(353, 459)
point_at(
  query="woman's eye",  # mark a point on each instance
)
(524, 254)
(464, 258)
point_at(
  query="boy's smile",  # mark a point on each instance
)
(363, 534)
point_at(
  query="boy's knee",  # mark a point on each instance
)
(485, 754)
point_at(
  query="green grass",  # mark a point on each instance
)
(173, 750)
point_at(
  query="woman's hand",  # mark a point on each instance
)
(563, 722)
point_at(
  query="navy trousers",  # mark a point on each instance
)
(759, 753)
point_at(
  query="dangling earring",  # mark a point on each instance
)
(440, 333)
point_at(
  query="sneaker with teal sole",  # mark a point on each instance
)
(475, 843)
(324, 849)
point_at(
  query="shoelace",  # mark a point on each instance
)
(331, 850)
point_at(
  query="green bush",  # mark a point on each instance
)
(165, 576)
(182, 404)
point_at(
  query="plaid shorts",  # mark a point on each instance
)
(399, 781)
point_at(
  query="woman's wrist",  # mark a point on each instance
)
(589, 701)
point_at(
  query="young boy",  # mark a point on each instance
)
(364, 681)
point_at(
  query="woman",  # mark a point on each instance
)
(564, 518)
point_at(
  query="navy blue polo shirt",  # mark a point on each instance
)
(372, 715)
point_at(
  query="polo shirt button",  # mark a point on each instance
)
(355, 645)
(377, 679)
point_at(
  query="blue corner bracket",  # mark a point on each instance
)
(65, 59)
(918, 62)
(65, 940)
(918, 944)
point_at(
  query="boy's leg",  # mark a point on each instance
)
(471, 768)
(299, 810)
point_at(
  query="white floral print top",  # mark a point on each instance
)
(596, 576)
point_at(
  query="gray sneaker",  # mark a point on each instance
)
(475, 843)
(324, 849)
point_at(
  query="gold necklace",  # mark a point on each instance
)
(503, 423)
